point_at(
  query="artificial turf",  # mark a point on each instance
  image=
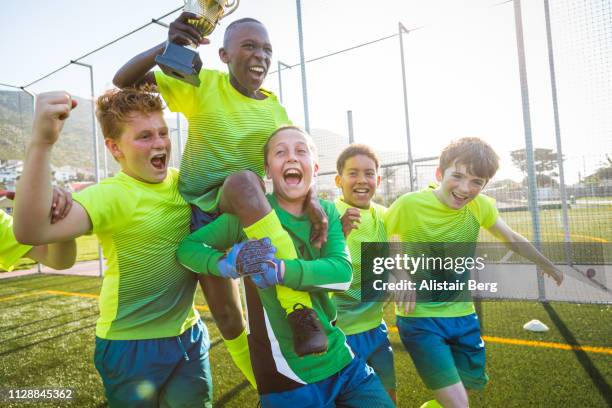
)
(47, 339)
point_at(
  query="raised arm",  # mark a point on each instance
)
(519, 244)
(137, 71)
(32, 220)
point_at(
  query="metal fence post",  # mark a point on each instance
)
(402, 30)
(349, 119)
(531, 177)
(96, 153)
(280, 79)
(303, 65)
(562, 189)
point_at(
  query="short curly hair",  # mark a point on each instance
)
(356, 149)
(115, 107)
(475, 154)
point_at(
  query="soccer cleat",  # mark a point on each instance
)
(308, 334)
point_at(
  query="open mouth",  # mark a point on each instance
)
(159, 161)
(361, 192)
(292, 176)
(257, 70)
(459, 198)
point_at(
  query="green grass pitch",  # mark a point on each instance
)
(47, 339)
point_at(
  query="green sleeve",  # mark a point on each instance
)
(181, 96)
(332, 272)
(200, 251)
(488, 211)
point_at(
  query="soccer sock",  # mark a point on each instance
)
(270, 226)
(239, 351)
(431, 404)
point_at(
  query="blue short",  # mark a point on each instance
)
(374, 348)
(201, 218)
(355, 385)
(445, 350)
(166, 372)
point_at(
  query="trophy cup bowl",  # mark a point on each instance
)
(183, 62)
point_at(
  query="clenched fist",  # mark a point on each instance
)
(52, 110)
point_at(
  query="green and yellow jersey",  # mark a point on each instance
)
(421, 217)
(146, 292)
(10, 250)
(318, 271)
(355, 316)
(227, 132)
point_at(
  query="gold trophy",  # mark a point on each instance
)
(183, 62)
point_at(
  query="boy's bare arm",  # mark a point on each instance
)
(57, 256)
(137, 71)
(519, 244)
(32, 221)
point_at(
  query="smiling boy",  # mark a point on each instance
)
(230, 118)
(336, 378)
(363, 221)
(443, 338)
(151, 346)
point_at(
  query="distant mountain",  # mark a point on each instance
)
(75, 146)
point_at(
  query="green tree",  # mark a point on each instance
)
(545, 161)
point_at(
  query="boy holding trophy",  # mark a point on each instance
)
(230, 119)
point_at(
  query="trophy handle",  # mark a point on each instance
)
(231, 7)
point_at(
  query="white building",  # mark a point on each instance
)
(10, 170)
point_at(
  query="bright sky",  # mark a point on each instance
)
(462, 70)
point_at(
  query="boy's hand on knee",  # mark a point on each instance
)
(246, 258)
(318, 218)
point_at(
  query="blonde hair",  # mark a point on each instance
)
(115, 107)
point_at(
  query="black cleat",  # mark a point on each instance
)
(308, 334)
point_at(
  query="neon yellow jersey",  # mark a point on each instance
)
(146, 293)
(421, 217)
(10, 250)
(355, 316)
(227, 132)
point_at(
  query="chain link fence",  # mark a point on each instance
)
(482, 65)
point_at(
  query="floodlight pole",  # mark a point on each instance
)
(303, 66)
(33, 95)
(553, 87)
(95, 143)
(531, 178)
(402, 30)
(280, 79)
(349, 119)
